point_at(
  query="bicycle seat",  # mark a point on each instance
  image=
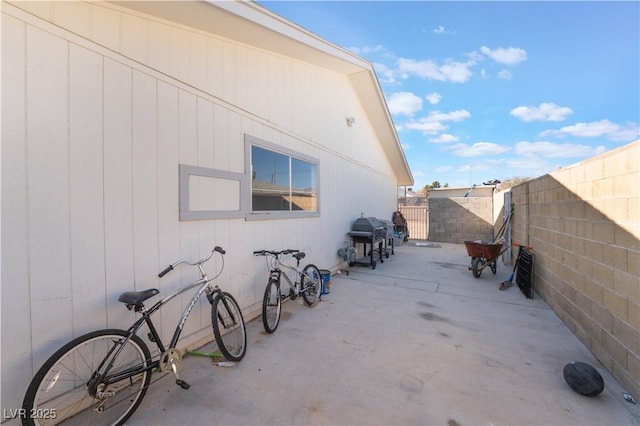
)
(137, 297)
(299, 255)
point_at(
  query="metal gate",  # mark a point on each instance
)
(417, 221)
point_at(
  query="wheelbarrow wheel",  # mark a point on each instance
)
(476, 266)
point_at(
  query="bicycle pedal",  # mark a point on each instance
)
(183, 384)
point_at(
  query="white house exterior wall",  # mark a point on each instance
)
(100, 105)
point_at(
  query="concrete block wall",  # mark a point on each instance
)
(583, 223)
(457, 219)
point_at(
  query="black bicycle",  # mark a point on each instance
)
(101, 377)
(308, 284)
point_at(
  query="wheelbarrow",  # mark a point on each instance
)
(482, 255)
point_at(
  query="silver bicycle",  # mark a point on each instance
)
(307, 283)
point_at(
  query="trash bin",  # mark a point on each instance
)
(326, 281)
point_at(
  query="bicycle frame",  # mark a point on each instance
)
(277, 272)
(205, 286)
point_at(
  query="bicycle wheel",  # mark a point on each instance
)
(61, 391)
(228, 327)
(310, 284)
(271, 304)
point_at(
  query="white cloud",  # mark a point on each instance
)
(426, 126)
(434, 98)
(627, 132)
(368, 50)
(404, 103)
(459, 115)
(453, 71)
(505, 75)
(477, 149)
(444, 138)
(385, 74)
(507, 56)
(555, 150)
(547, 111)
(440, 30)
(433, 123)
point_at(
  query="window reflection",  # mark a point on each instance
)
(281, 182)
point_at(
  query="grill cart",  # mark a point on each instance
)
(368, 231)
(483, 255)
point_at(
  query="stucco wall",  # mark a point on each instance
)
(583, 223)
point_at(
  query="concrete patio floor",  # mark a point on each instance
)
(417, 341)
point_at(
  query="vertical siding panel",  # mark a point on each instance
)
(41, 9)
(249, 80)
(48, 176)
(16, 322)
(205, 133)
(237, 126)
(198, 60)
(179, 54)
(145, 187)
(86, 190)
(75, 16)
(168, 215)
(220, 136)
(214, 67)
(118, 204)
(206, 228)
(189, 231)
(105, 27)
(160, 47)
(244, 85)
(135, 38)
(228, 59)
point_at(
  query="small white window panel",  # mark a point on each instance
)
(210, 194)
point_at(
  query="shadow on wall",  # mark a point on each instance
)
(458, 219)
(587, 261)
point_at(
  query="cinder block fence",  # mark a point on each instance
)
(583, 223)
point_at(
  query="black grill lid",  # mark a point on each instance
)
(371, 225)
(367, 224)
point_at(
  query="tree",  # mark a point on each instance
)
(434, 184)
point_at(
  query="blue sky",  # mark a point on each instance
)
(493, 90)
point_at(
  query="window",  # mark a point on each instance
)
(283, 183)
(210, 194)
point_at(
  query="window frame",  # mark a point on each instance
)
(251, 141)
(186, 214)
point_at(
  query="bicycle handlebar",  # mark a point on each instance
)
(166, 271)
(199, 262)
(275, 253)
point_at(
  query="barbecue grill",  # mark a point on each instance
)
(368, 230)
